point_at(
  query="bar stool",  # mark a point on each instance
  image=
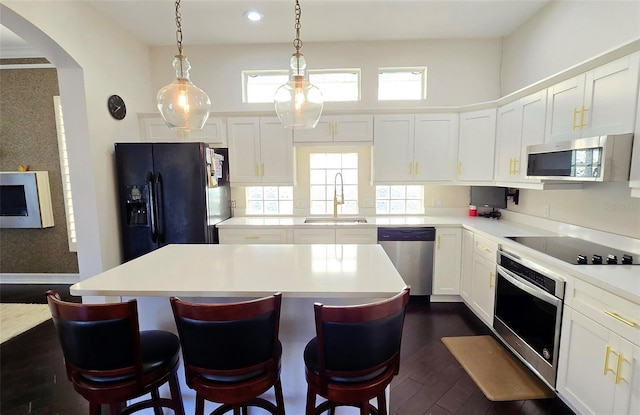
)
(109, 361)
(231, 352)
(355, 354)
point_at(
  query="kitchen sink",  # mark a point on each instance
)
(335, 220)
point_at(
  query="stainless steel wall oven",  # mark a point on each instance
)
(528, 312)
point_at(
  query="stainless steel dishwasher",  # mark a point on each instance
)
(411, 252)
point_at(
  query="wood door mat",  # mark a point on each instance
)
(499, 374)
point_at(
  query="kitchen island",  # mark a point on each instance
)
(304, 274)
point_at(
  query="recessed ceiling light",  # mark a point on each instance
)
(253, 15)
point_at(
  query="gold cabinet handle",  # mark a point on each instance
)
(515, 166)
(251, 237)
(484, 248)
(619, 368)
(257, 169)
(491, 276)
(582, 124)
(575, 115)
(335, 128)
(617, 317)
(606, 360)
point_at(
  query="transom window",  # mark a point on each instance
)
(402, 84)
(400, 199)
(269, 200)
(324, 169)
(335, 84)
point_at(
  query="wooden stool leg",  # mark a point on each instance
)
(176, 396)
(155, 398)
(94, 408)
(115, 409)
(364, 408)
(199, 404)
(382, 404)
(279, 398)
(311, 402)
(236, 409)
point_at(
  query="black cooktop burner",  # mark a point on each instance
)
(577, 251)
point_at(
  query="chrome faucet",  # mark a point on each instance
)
(335, 193)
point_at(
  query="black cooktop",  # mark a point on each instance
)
(577, 251)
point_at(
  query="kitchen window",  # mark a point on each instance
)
(402, 84)
(269, 200)
(400, 200)
(323, 173)
(335, 84)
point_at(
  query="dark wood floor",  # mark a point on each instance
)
(33, 379)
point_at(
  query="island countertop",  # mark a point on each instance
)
(304, 271)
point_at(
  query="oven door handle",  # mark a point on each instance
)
(528, 287)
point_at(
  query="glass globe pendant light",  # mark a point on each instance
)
(183, 105)
(298, 102)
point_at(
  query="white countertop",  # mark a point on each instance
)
(307, 271)
(622, 280)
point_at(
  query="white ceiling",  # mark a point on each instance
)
(223, 21)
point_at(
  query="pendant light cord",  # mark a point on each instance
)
(297, 42)
(179, 37)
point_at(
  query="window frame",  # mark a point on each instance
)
(423, 86)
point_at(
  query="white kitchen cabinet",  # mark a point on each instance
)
(483, 278)
(153, 128)
(634, 174)
(260, 152)
(601, 101)
(446, 261)
(476, 146)
(466, 270)
(415, 148)
(347, 235)
(338, 129)
(519, 124)
(253, 235)
(356, 236)
(599, 371)
(314, 236)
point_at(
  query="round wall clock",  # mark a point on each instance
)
(117, 109)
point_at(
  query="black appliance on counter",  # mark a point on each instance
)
(170, 193)
(577, 251)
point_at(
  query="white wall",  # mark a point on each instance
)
(460, 72)
(563, 34)
(95, 59)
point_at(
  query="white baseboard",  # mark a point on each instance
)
(6, 278)
(445, 298)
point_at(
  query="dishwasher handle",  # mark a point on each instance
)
(407, 234)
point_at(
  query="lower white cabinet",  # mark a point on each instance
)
(253, 235)
(483, 278)
(466, 271)
(335, 236)
(599, 371)
(446, 261)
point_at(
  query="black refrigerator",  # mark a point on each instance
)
(170, 193)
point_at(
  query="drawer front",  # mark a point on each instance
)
(618, 314)
(485, 247)
(314, 236)
(253, 236)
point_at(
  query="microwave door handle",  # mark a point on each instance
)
(528, 288)
(152, 208)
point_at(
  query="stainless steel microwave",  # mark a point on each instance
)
(594, 159)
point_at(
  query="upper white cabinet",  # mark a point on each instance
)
(338, 129)
(153, 128)
(519, 124)
(260, 151)
(601, 101)
(477, 145)
(415, 148)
